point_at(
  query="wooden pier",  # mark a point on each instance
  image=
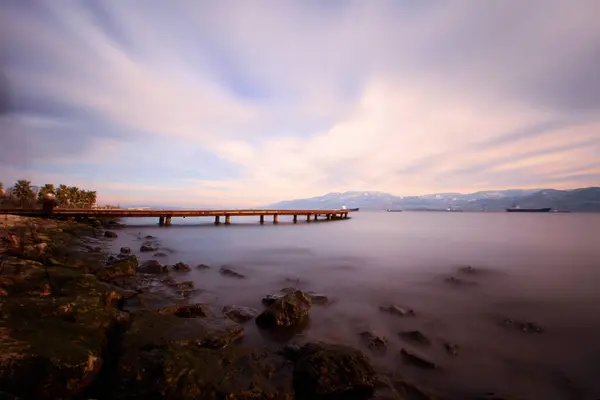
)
(165, 216)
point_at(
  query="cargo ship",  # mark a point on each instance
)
(516, 208)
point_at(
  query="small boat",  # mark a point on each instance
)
(354, 209)
(392, 210)
(453, 210)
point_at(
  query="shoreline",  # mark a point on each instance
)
(96, 325)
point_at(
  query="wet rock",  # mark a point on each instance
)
(110, 234)
(239, 314)
(188, 372)
(160, 254)
(181, 267)
(149, 237)
(322, 370)
(397, 310)
(118, 270)
(146, 248)
(318, 298)
(416, 337)
(227, 271)
(271, 298)
(417, 360)
(125, 251)
(36, 252)
(187, 310)
(152, 329)
(202, 266)
(459, 282)
(185, 285)
(152, 267)
(451, 348)
(374, 342)
(523, 326)
(289, 310)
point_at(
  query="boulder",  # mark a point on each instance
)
(118, 270)
(149, 237)
(160, 254)
(416, 337)
(125, 251)
(239, 314)
(417, 360)
(374, 342)
(271, 298)
(146, 248)
(152, 267)
(181, 267)
(110, 234)
(227, 271)
(289, 310)
(397, 310)
(318, 298)
(202, 266)
(327, 370)
(187, 310)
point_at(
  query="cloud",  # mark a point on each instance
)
(248, 103)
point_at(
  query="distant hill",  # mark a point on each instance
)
(579, 200)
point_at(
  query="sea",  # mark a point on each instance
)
(539, 268)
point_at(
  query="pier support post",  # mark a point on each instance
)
(227, 219)
(295, 218)
(307, 217)
(275, 218)
(161, 221)
(217, 221)
(262, 219)
(168, 221)
(328, 217)
(345, 215)
(316, 216)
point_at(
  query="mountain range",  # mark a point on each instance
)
(576, 200)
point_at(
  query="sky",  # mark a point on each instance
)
(244, 103)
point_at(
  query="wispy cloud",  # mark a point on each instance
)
(247, 103)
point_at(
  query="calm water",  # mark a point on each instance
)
(543, 268)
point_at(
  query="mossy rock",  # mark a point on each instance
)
(122, 269)
(188, 372)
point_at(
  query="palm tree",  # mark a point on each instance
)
(44, 190)
(92, 198)
(74, 196)
(23, 192)
(62, 196)
(1, 190)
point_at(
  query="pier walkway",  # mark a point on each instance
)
(165, 216)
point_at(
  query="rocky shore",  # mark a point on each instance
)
(77, 322)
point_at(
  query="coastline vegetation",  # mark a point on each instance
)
(24, 195)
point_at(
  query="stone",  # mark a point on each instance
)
(417, 360)
(149, 237)
(146, 248)
(318, 298)
(36, 252)
(416, 337)
(374, 342)
(327, 370)
(202, 266)
(227, 271)
(122, 269)
(289, 310)
(459, 282)
(125, 251)
(239, 314)
(152, 267)
(468, 270)
(397, 310)
(187, 310)
(181, 267)
(271, 298)
(160, 254)
(110, 234)
(522, 326)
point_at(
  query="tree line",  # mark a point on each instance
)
(24, 195)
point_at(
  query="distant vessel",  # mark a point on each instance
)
(453, 210)
(516, 208)
(350, 209)
(392, 210)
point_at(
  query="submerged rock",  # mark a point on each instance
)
(459, 282)
(152, 267)
(322, 370)
(187, 310)
(271, 298)
(416, 337)
(239, 314)
(374, 342)
(417, 360)
(202, 266)
(110, 234)
(523, 326)
(125, 250)
(289, 310)
(397, 310)
(227, 271)
(146, 248)
(318, 298)
(160, 254)
(468, 270)
(181, 267)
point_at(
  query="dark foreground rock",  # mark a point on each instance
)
(181, 267)
(289, 310)
(152, 267)
(110, 234)
(239, 314)
(325, 370)
(187, 310)
(118, 270)
(125, 251)
(417, 360)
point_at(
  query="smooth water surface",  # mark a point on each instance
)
(543, 268)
